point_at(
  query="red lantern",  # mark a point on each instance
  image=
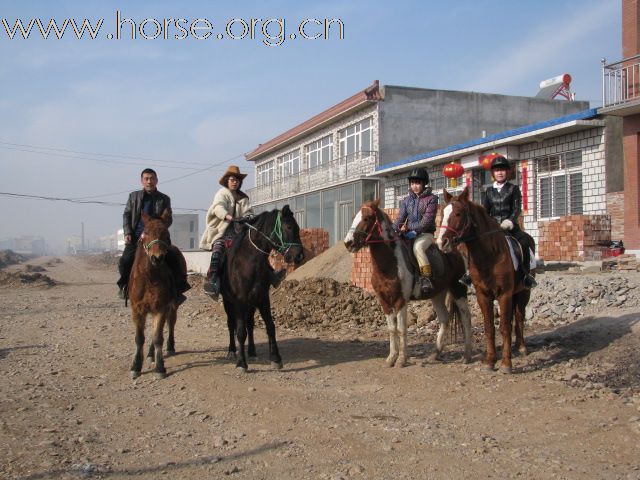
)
(453, 171)
(485, 160)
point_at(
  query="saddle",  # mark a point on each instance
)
(436, 260)
(517, 256)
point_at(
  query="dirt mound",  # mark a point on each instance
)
(105, 259)
(9, 257)
(34, 268)
(17, 279)
(334, 263)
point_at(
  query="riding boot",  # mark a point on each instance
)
(275, 278)
(426, 286)
(211, 285)
(529, 281)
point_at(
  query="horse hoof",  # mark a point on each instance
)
(390, 362)
(241, 370)
(277, 365)
(231, 355)
(435, 357)
(401, 363)
(466, 359)
(134, 374)
(506, 370)
(160, 375)
(488, 368)
(523, 351)
(169, 353)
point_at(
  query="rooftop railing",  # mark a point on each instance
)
(621, 81)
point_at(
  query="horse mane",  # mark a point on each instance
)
(259, 222)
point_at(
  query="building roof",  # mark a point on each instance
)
(369, 95)
(525, 134)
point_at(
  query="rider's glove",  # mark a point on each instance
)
(506, 224)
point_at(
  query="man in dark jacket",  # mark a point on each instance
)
(503, 201)
(153, 203)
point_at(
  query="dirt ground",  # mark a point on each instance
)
(68, 408)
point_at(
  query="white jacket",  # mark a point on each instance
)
(223, 205)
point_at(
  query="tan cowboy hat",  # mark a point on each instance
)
(232, 171)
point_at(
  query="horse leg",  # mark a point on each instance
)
(136, 366)
(402, 337)
(440, 307)
(251, 321)
(506, 315)
(485, 302)
(171, 344)
(520, 301)
(158, 339)
(151, 354)
(393, 338)
(465, 316)
(274, 354)
(241, 333)
(231, 327)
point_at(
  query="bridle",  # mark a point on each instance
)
(376, 228)
(464, 234)
(147, 246)
(278, 244)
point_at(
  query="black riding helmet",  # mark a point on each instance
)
(500, 162)
(419, 174)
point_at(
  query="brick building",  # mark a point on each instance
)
(621, 98)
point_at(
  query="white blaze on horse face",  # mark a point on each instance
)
(445, 222)
(352, 229)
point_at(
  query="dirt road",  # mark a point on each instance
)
(68, 408)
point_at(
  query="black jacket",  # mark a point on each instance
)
(504, 204)
(132, 210)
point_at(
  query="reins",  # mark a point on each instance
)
(375, 228)
(280, 245)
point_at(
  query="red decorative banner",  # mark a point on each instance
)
(525, 186)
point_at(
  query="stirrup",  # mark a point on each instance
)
(426, 286)
(465, 280)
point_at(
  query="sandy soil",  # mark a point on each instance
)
(68, 408)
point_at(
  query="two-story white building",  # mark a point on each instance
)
(325, 167)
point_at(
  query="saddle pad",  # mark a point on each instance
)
(513, 244)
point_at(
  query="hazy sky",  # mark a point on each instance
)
(82, 118)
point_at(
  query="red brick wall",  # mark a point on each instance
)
(630, 19)
(631, 136)
(615, 208)
(314, 242)
(574, 238)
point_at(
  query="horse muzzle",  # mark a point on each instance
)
(157, 259)
(446, 245)
(296, 257)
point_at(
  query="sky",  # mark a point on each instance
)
(80, 118)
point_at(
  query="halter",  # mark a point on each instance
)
(279, 244)
(147, 246)
(375, 228)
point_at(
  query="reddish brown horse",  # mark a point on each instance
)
(491, 269)
(394, 281)
(152, 292)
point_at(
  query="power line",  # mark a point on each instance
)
(75, 200)
(133, 157)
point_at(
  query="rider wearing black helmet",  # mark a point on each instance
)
(503, 201)
(417, 219)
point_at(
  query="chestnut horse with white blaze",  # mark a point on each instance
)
(491, 269)
(394, 280)
(152, 291)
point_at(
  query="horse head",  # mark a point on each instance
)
(456, 220)
(155, 237)
(369, 226)
(291, 245)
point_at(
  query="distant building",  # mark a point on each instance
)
(26, 244)
(184, 231)
(325, 167)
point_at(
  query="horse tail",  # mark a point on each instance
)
(453, 312)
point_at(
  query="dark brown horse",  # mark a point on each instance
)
(394, 280)
(491, 269)
(152, 291)
(245, 278)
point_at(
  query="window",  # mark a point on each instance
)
(192, 242)
(266, 173)
(559, 184)
(289, 164)
(356, 138)
(192, 226)
(319, 152)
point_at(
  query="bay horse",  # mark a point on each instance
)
(152, 291)
(491, 269)
(245, 278)
(394, 280)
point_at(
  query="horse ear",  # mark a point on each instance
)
(166, 216)
(286, 211)
(376, 203)
(145, 217)
(465, 194)
(447, 196)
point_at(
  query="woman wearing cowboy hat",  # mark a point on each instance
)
(229, 203)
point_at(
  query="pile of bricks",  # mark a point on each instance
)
(574, 238)
(624, 262)
(314, 242)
